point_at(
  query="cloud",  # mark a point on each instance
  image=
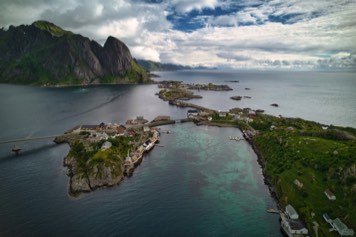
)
(286, 34)
(184, 6)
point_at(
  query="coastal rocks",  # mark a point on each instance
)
(236, 97)
(99, 175)
(79, 183)
(104, 175)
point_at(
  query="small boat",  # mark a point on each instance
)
(16, 148)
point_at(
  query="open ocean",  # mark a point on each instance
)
(199, 184)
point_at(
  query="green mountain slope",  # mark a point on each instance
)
(45, 54)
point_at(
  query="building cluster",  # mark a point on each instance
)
(338, 225)
(135, 157)
(291, 224)
(294, 227)
(102, 131)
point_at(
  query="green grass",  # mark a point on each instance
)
(51, 28)
(313, 161)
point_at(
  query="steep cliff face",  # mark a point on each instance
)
(43, 53)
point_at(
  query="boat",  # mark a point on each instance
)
(16, 148)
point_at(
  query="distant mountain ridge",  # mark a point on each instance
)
(45, 54)
(156, 66)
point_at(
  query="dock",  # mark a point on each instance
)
(274, 211)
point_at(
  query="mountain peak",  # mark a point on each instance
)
(44, 53)
(53, 29)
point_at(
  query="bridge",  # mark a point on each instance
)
(27, 139)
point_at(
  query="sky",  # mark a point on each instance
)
(238, 34)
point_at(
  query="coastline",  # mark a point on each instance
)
(260, 159)
(287, 159)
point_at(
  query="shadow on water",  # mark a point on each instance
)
(25, 154)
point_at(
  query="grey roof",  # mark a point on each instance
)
(290, 210)
(339, 225)
(326, 217)
(296, 224)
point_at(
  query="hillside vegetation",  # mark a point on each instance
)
(319, 157)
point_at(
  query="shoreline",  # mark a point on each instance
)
(260, 159)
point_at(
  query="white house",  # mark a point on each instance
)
(106, 146)
(192, 113)
(146, 128)
(291, 212)
(329, 195)
(293, 227)
(341, 228)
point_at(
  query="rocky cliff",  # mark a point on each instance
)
(45, 54)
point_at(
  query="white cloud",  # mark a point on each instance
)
(125, 28)
(184, 6)
(320, 34)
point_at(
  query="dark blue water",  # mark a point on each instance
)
(199, 184)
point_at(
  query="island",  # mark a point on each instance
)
(236, 97)
(176, 90)
(102, 155)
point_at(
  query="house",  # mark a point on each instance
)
(298, 183)
(327, 218)
(120, 130)
(291, 212)
(146, 128)
(237, 116)
(341, 228)
(101, 127)
(106, 146)
(131, 122)
(222, 114)
(330, 195)
(88, 127)
(293, 228)
(191, 113)
(252, 114)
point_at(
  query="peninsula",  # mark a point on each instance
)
(307, 165)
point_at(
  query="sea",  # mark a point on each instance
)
(198, 182)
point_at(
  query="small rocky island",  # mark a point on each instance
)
(102, 155)
(176, 90)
